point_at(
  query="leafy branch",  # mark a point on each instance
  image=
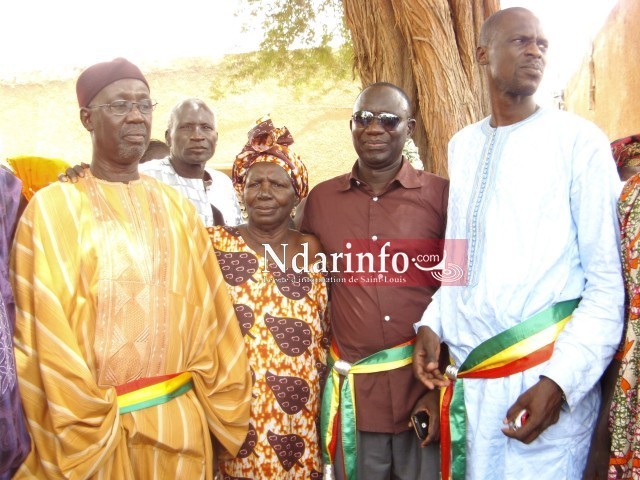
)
(306, 47)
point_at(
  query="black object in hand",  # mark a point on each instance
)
(420, 421)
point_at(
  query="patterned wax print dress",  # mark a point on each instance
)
(282, 318)
(624, 416)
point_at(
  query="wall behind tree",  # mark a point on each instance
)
(606, 89)
(40, 117)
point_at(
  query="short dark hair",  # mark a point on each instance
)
(393, 86)
(181, 103)
(491, 24)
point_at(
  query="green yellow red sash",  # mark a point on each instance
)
(339, 406)
(526, 345)
(149, 392)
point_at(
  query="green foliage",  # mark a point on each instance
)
(305, 46)
(298, 23)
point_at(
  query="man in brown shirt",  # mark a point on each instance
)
(382, 198)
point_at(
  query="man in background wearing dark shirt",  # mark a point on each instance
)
(382, 198)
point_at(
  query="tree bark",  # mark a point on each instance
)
(426, 47)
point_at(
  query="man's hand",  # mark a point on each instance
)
(429, 403)
(543, 402)
(425, 359)
(73, 173)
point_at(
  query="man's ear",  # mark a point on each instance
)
(411, 127)
(85, 118)
(167, 138)
(481, 55)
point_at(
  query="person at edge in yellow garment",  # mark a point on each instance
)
(128, 350)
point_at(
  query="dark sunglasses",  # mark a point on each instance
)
(388, 121)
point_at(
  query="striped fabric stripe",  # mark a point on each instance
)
(150, 392)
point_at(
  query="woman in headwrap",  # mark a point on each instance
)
(624, 416)
(615, 448)
(280, 309)
(626, 153)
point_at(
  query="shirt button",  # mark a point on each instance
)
(387, 318)
(375, 199)
(374, 238)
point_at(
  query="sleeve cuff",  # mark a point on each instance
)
(563, 384)
(430, 318)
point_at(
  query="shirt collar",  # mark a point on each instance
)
(407, 177)
(207, 178)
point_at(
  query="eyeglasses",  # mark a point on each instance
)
(123, 107)
(388, 121)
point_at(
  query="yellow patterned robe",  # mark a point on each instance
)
(116, 282)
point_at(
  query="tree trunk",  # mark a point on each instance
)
(426, 47)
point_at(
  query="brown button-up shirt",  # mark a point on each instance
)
(366, 319)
